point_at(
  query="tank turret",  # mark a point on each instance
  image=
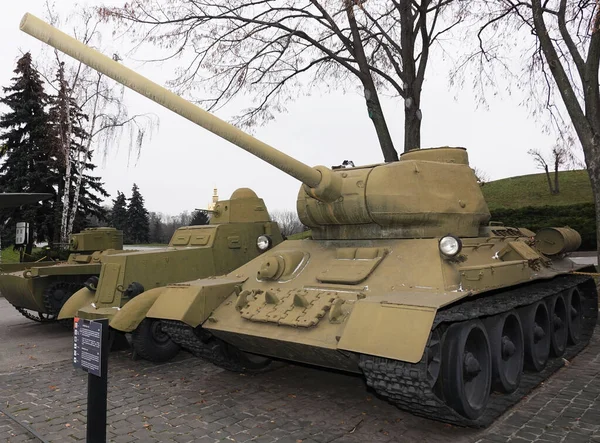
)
(404, 199)
(96, 239)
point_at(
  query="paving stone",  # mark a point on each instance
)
(192, 400)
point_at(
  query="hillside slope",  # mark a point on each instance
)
(532, 190)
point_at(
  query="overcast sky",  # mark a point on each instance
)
(182, 163)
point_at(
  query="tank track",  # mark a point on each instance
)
(406, 385)
(213, 350)
(38, 318)
(71, 287)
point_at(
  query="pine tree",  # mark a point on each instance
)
(158, 231)
(199, 217)
(29, 163)
(118, 218)
(138, 223)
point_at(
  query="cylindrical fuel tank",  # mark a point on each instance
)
(555, 241)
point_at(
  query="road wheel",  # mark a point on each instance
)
(151, 343)
(235, 359)
(574, 315)
(536, 333)
(467, 368)
(506, 342)
(559, 325)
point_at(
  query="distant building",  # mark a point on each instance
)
(215, 199)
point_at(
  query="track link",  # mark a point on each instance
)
(406, 385)
(212, 349)
(38, 318)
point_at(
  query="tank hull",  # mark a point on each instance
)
(24, 290)
(331, 306)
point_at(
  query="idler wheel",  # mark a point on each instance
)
(151, 343)
(467, 368)
(574, 315)
(536, 334)
(559, 325)
(506, 343)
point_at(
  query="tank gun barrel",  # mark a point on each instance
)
(48, 34)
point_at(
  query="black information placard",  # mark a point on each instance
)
(87, 346)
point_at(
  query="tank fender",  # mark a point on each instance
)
(389, 330)
(192, 303)
(131, 315)
(80, 299)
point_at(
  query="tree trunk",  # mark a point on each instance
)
(79, 166)
(412, 126)
(378, 119)
(593, 168)
(556, 188)
(371, 96)
(549, 179)
(64, 236)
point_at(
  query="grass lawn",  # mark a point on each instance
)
(532, 190)
(10, 256)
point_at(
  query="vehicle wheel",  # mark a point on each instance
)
(467, 368)
(238, 360)
(575, 315)
(536, 335)
(151, 343)
(559, 325)
(506, 343)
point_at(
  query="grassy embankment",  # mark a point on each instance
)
(532, 190)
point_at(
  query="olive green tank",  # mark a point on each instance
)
(38, 290)
(239, 230)
(405, 280)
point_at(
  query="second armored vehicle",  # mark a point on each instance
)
(39, 290)
(240, 229)
(405, 280)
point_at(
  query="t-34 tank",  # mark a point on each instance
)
(38, 290)
(405, 281)
(240, 229)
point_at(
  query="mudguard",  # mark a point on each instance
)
(131, 315)
(80, 299)
(389, 328)
(192, 303)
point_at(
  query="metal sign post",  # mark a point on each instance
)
(90, 353)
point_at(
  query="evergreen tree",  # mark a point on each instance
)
(118, 216)
(29, 163)
(158, 236)
(199, 217)
(138, 223)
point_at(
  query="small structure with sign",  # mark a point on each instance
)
(90, 353)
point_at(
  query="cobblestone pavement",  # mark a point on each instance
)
(191, 400)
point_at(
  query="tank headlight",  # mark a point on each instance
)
(263, 242)
(450, 246)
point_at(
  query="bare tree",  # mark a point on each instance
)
(560, 39)
(288, 222)
(273, 50)
(560, 159)
(104, 114)
(481, 176)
